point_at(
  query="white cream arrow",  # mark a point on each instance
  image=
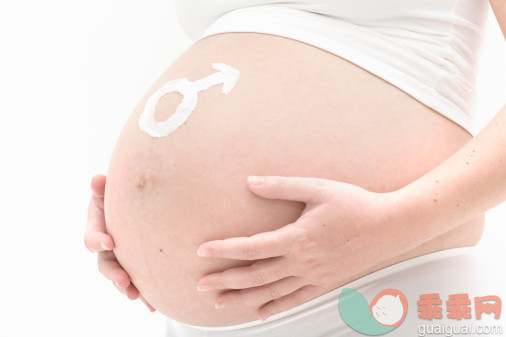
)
(189, 90)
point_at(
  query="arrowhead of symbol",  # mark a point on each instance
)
(230, 76)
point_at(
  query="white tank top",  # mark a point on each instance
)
(427, 48)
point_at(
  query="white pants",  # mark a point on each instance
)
(452, 271)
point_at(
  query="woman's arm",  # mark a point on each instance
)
(499, 8)
(465, 185)
(468, 183)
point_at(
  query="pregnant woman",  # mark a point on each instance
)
(352, 120)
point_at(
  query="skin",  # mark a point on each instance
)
(468, 183)
(288, 258)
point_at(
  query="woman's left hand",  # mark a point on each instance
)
(343, 230)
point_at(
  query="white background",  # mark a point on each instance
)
(70, 74)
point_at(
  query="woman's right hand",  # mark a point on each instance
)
(97, 240)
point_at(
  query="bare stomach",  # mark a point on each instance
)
(296, 111)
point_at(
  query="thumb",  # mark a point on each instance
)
(98, 185)
(288, 188)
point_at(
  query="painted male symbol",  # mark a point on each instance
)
(189, 91)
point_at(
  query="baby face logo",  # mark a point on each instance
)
(386, 312)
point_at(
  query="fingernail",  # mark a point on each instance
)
(263, 317)
(122, 289)
(204, 287)
(203, 252)
(255, 181)
(104, 247)
(221, 305)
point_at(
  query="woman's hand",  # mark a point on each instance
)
(97, 240)
(342, 230)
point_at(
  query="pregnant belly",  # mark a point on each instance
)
(296, 110)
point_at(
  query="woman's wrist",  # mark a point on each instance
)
(461, 188)
(421, 211)
(400, 225)
(418, 213)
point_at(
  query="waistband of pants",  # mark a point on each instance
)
(358, 283)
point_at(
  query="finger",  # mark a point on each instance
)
(287, 302)
(95, 236)
(98, 190)
(98, 186)
(259, 295)
(150, 307)
(98, 241)
(132, 292)
(121, 290)
(302, 189)
(112, 270)
(258, 246)
(96, 212)
(258, 274)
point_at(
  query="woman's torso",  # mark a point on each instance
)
(296, 111)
